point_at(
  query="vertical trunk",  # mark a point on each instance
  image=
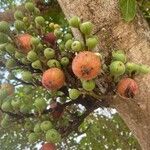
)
(132, 37)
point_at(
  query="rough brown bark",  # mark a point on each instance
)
(134, 39)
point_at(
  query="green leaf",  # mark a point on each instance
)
(128, 9)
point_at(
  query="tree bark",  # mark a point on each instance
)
(134, 39)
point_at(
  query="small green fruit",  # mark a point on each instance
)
(10, 63)
(37, 128)
(74, 93)
(46, 125)
(64, 61)
(19, 55)
(67, 37)
(49, 53)
(53, 136)
(132, 68)
(53, 63)
(26, 76)
(32, 56)
(39, 20)
(117, 68)
(91, 43)
(16, 104)
(6, 106)
(58, 33)
(25, 61)
(88, 85)
(18, 15)
(40, 104)
(74, 21)
(35, 41)
(25, 19)
(61, 46)
(39, 47)
(32, 138)
(28, 125)
(76, 46)
(3, 38)
(119, 55)
(86, 28)
(10, 48)
(68, 44)
(4, 27)
(19, 25)
(30, 6)
(144, 69)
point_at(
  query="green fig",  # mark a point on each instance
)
(86, 28)
(132, 68)
(37, 64)
(144, 69)
(10, 63)
(67, 37)
(19, 25)
(6, 106)
(18, 15)
(46, 125)
(33, 137)
(39, 20)
(74, 94)
(27, 76)
(30, 6)
(37, 128)
(32, 56)
(119, 56)
(68, 44)
(10, 48)
(91, 42)
(88, 85)
(40, 104)
(49, 53)
(53, 63)
(74, 21)
(64, 61)
(76, 46)
(3, 38)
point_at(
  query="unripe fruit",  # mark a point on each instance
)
(39, 47)
(39, 20)
(25, 19)
(9, 88)
(58, 32)
(19, 55)
(24, 41)
(16, 104)
(74, 93)
(49, 53)
(3, 38)
(48, 146)
(37, 65)
(32, 56)
(74, 21)
(53, 136)
(25, 109)
(76, 46)
(30, 6)
(127, 88)
(25, 61)
(86, 65)
(91, 42)
(40, 104)
(88, 85)
(68, 44)
(86, 28)
(119, 56)
(19, 25)
(46, 125)
(18, 15)
(53, 79)
(61, 46)
(32, 138)
(37, 128)
(64, 61)
(50, 38)
(28, 125)
(117, 68)
(10, 63)
(10, 48)
(35, 41)
(26, 76)
(6, 106)
(67, 37)
(4, 27)
(144, 69)
(132, 68)
(53, 63)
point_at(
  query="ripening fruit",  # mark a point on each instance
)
(50, 38)
(10, 48)
(3, 38)
(35, 41)
(68, 44)
(39, 20)
(132, 68)
(30, 6)
(86, 65)
(49, 53)
(53, 63)
(32, 56)
(86, 28)
(127, 87)
(46, 125)
(37, 128)
(48, 146)
(53, 79)
(88, 85)
(18, 15)
(26, 76)
(74, 21)
(6, 106)
(37, 65)
(33, 137)
(40, 104)
(24, 42)
(10, 63)
(53, 136)
(4, 27)
(117, 68)
(74, 93)
(25, 109)
(91, 42)
(76, 46)
(19, 25)
(119, 56)
(61, 46)
(64, 61)
(144, 69)
(9, 88)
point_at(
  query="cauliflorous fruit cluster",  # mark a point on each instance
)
(50, 69)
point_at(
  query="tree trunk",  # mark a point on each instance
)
(134, 39)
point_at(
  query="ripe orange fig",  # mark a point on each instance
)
(24, 42)
(127, 87)
(53, 79)
(86, 65)
(50, 38)
(48, 146)
(8, 87)
(57, 110)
